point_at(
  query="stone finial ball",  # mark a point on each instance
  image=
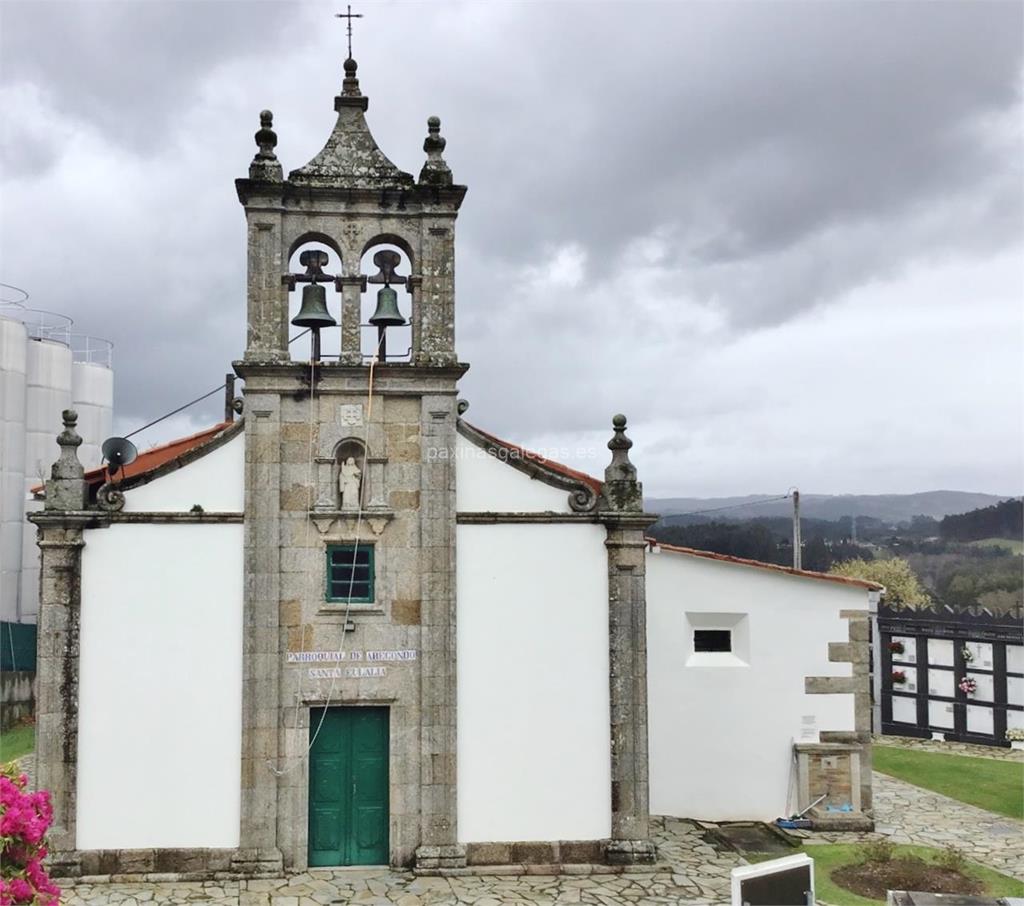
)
(351, 66)
(266, 118)
(434, 122)
(619, 421)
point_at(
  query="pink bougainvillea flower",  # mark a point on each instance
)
(21, 891)
(24, 819)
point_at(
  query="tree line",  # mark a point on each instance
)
(1003, 520)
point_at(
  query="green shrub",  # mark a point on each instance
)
(877, 851)
(952, 858)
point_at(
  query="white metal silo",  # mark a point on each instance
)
(43, 371)
(47, 395)
(13, 342)
(92, 395)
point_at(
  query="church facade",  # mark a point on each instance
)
(354, 628)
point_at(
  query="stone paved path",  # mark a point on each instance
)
(910, 814)
(696, 874)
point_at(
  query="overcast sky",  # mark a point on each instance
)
(784, 238)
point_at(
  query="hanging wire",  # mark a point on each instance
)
(157, 421)
(355, 552)
(733, 506)
(198, 399)
(300, 695)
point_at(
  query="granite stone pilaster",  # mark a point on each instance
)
(439, 846)
(621, 511)
(350, 288)
(60, 540)
(260, 646)
(267, 330)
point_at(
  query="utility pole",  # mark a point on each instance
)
(797, 559)
(229, 397)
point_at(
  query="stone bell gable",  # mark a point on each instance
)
(350, 197)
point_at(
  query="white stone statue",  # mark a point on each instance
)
(348, 484)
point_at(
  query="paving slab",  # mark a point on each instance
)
(694, 873)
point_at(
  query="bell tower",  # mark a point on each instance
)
(350, 491)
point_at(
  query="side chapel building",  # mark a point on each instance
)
(352, 628)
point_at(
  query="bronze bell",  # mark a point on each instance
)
(387, 313)
(313, 312)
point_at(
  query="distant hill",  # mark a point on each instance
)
(890, 508)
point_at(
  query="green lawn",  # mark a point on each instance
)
(828, 857)
(997, 786)
(16, 742)
(1013, 545)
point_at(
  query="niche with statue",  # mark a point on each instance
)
(352, 483)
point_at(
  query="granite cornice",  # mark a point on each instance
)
(288, 195)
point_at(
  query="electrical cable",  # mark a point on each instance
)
(733, 506)
(198, 399)
(300, 696)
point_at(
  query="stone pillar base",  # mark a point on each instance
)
(64, 864)
(258, 862)
(630, 852)
(433, 858)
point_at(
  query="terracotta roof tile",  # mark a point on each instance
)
(743, 561)
(551, 464)
(152, 459)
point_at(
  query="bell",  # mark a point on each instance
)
(313, 312)
(387, 313)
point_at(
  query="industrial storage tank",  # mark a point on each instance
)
(44, 370)
(47, 395)
(92, 395)
(13, 351)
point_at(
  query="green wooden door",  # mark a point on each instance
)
(348, 787)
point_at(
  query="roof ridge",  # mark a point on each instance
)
(745, 561)
(553, 464)
(188, 444)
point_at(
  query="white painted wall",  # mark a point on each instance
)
(485, 484)
(533, 739)
(160, 688)
(216, 481)
(721, 736)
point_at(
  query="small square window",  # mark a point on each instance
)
(706, 640)
(350, 573)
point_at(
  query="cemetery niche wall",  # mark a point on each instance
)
(956, 675)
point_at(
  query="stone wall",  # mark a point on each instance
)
(17, 699)
(293, 514)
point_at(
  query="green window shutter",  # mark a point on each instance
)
(350, 573)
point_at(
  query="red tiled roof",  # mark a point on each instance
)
(743, 561)
(551, 464)
(152, 459)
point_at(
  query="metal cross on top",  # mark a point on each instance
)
(350, 16)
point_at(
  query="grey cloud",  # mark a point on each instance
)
(785, 156)
(127, 67)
